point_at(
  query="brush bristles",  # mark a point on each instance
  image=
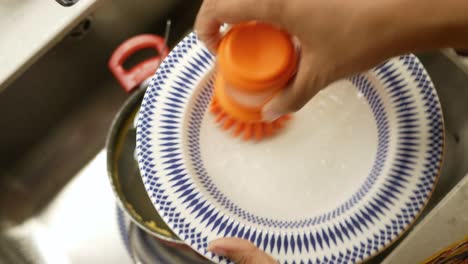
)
(247, 130)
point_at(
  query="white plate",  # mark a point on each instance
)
(343, 180)
(144, 248)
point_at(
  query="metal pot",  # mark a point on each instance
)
(123, 171)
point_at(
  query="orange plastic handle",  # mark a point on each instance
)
(131, 78)
(255, 56)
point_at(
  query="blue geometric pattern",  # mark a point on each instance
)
(203, 100)
(410, 125)
(122, 223)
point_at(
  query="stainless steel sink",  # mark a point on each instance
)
(451, 84)
(55, 116)
(452, 87)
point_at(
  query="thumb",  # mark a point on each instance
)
(307, 83)
(240, 251)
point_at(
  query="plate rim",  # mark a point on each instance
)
(414, 219)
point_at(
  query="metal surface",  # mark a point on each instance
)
(59, 111)
(30, 243)
(124, 174)
(147, 250)
(67, 2)
(13, 250)
(451, 84)
(167, 32)
(448, 221)
(81, 222)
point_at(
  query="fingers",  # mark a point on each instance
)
(307, 83)
(207, 24)
(214, 13)
(240, 251)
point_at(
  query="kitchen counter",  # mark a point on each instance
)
(30, 28)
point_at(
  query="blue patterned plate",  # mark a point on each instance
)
(144, 248)
(346, 177)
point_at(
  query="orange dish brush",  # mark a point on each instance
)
(255, 61)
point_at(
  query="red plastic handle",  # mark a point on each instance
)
(130, 79)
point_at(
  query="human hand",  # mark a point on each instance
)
(338, 38)
(240, 251)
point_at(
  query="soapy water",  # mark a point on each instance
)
(313, 165)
